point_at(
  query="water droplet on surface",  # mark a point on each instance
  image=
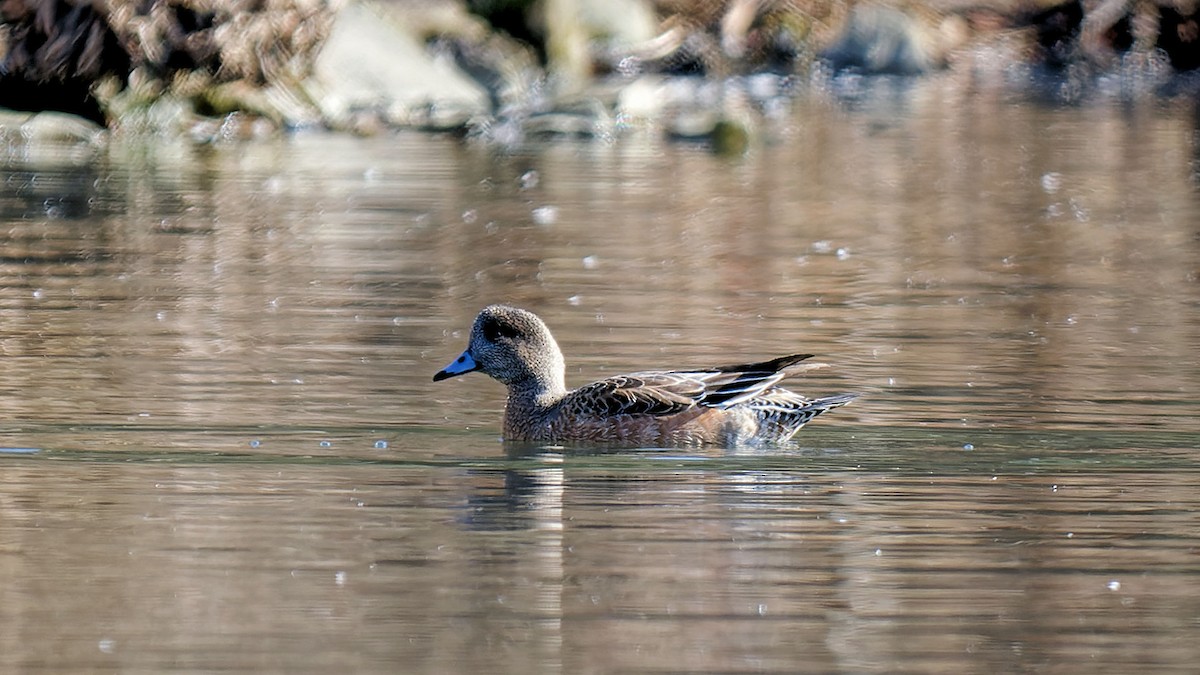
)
(968, 446)
(381, 445)
(325, 444)
(545, 215)
(255, 443)
(1051, 182)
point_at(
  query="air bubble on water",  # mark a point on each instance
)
(1054, 488)
(381, 445)
(470, 216)
(38, 293)
(968, 446)
(843, 253)
(590, 262)
(574, 300)
(822, 246)
(1114, 585)
(160, 316)
(107, 645)
(545, 215)
(255, 443)
(1072, 320)
(326, 444)
(878, 552)
(339, 578)
(529, 179)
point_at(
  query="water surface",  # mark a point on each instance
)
(223, 451)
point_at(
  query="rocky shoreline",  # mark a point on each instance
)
(504, 70)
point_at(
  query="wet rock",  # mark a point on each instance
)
(51, 128)
(884, 40)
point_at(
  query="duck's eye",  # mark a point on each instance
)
(494, 330)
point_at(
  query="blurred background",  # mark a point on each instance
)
(238, 238)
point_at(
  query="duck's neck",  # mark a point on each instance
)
(536, 393)
(531, 405)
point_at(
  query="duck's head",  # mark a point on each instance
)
(512, 346)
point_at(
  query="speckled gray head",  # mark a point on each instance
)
(512, 346)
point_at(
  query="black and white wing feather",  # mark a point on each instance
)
(658, 393)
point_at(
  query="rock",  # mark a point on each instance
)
(370, 63)
(883, 40)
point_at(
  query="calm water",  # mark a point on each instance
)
(223, 452)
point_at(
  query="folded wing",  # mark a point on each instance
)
(671, 392)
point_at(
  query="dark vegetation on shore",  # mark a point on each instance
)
(278, 60)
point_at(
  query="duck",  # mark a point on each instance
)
(731, 406)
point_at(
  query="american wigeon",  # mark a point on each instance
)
(725, 405)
